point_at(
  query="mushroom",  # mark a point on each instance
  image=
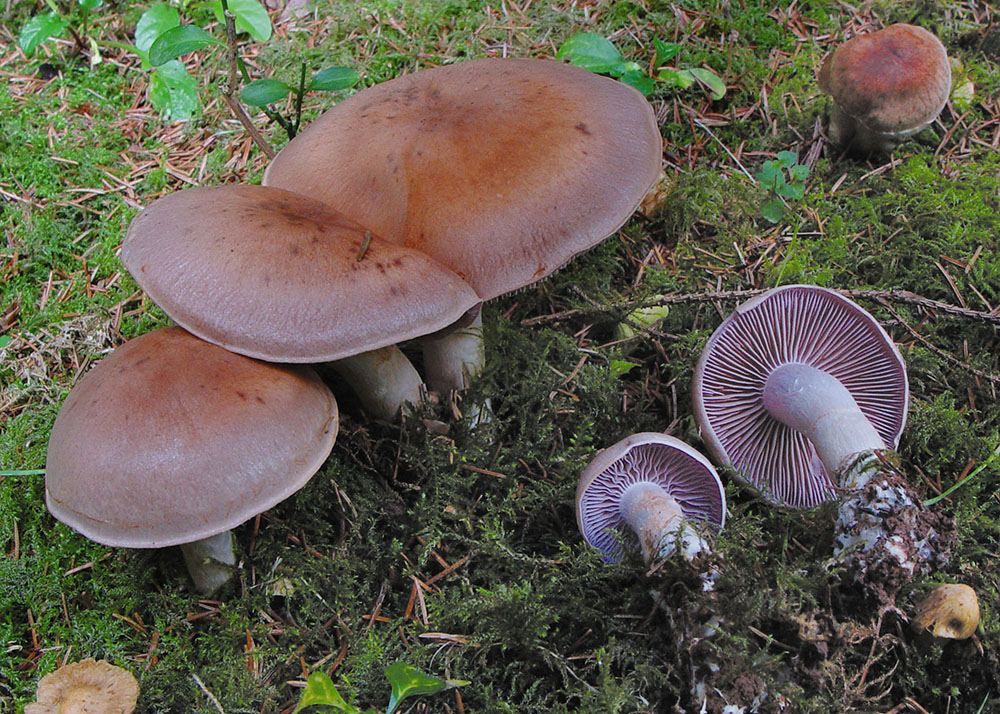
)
(949, 611)
(502, 170)
(171, 440)
(650, 488)
(801, 389)
(278, 276)
(885, 85)
(85, 687)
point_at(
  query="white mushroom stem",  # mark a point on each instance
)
(452, 359)
(880, 522)
(210, 561)
(819, 407)
(384, 380)
(659, 522)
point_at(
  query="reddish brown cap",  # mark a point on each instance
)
(501, 169)
(892, 81)
(793, 324)
(648, 457)
(171, 439)
(275, 275)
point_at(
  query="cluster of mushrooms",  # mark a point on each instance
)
(393, 218)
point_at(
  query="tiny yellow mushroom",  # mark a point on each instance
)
(949, 611)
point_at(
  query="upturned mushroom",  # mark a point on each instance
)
(803, 393)
(652, 489)
(86, 687)
(502, 170)
(278, 276)
(886, 85)
(171, 440)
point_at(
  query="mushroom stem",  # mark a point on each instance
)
(659, 522)
(819, 407)
(451, 360)
(384, 380)
(210, 561)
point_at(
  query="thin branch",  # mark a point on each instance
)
(230, 83)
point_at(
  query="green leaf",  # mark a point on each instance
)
(665, 51)
(173, 92)
(40, 28)
(640, 81)
(250, 15)
(408, 681)
(321, 691)
(787, 158)
(798, 172)
(716, 87)
(153, 23)
(332, 79)
(90, 5)
(621, 367)
(179, 41)
(769, 175)
(791, 190)
(591, 51)
(773, 210)
(264, 91)
(678, 78)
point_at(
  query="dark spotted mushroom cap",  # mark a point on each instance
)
(278, 276)
(792, 324)
(687, 476)
(893, 81)
(501, 169)
(171, 439)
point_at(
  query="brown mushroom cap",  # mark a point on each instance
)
(949, 611)
(171, 439)
(894, 80)
(278, 276)
(86, 687)
(501, 169)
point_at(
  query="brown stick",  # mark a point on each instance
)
(229, 88)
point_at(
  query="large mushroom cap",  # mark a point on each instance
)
(648, 457)
(501, 169)
(171, 439)
(86, 687)
(794, 324)
(278, 276)
(893, 81)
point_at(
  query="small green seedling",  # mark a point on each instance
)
(406, 681)
(267, 91)
(596, 53)
(55, 23)
(772, 178)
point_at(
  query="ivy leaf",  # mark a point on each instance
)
(332, 79)
(798, 172)
(787, 158)
(791, 190)
(264, 91)
(173, 92)
(592, 52)
(250, 17)
(179, 41)
(40, 28)
(716, 87)
(153, 23)
(321, 691)
(408, 681)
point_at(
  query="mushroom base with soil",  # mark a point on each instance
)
(210, 561)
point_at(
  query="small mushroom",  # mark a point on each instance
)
(803, 393)
(503, 170)
(650, 488)
(949, 611)
(171, 440)
(278, 276)
(885, 85)
(86, 687)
